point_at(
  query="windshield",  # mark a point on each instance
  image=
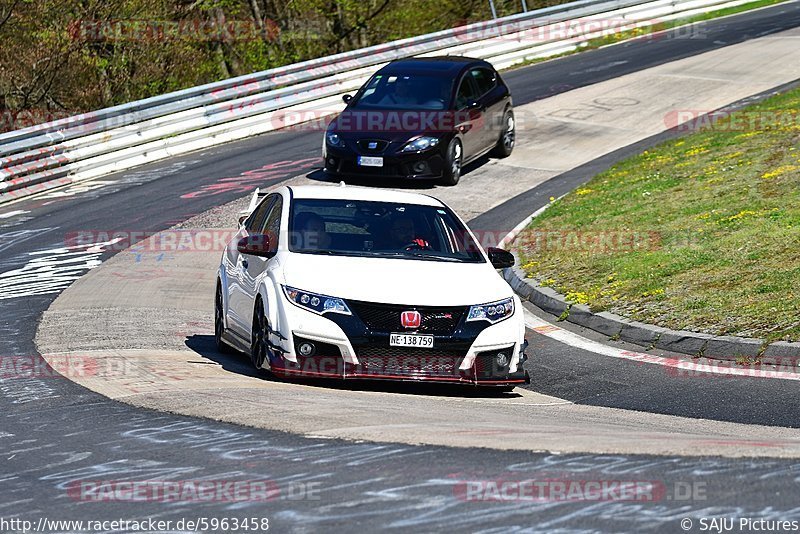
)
(379, 229)
(415, 91)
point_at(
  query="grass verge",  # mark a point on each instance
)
(699, 233)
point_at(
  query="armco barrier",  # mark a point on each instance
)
(85, 146)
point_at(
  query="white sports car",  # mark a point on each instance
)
(350, 282)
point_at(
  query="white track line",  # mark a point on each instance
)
(681, 367)
(12, 213)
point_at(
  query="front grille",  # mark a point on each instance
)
(403, 352)
(408, 362)
(441, 321)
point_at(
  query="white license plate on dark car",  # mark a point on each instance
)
(411, 340)
(370, 161)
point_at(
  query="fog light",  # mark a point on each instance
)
(306, 349)
(501, 359)
(419, 167)
(331, 162)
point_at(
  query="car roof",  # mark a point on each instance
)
(362, 193)
(437, 65)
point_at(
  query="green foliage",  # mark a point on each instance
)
(79, 55)
(720, 214)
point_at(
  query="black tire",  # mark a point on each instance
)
(219, 323)
(259, 337)
(507, 139)
(452, 170)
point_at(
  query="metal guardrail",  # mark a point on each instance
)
(85, 146)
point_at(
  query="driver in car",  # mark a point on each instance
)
(312, 231)
(402, 94)
(404, 235)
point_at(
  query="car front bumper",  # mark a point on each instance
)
(346, 347)
(424, 165)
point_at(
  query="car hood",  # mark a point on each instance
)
(395, 280)
(385, 125)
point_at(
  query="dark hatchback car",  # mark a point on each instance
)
(422, 118)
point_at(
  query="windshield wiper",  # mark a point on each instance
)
(319, 251)
(417, 255)
(435, 257)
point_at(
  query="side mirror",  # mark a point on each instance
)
(500, 258)
(474, 105)
(347, 98)
(255, 245)
(242, 219)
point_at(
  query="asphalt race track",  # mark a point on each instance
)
(55, 432)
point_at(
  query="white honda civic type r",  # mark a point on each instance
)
(351, 282)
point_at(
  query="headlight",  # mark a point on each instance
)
(421, 143)
(316, 303)
(334, 139)
(493, 312)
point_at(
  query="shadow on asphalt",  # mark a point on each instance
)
(239, 363)
(319, 175)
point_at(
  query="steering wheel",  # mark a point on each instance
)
(418, 244)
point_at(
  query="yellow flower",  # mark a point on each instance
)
(578, 297)
(783, 169)
(697, 150)
(741, 215)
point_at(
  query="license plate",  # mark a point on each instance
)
(370, 161)
(411, 340)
